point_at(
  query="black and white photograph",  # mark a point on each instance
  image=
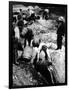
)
(37, 44)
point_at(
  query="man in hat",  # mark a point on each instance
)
(60, 32)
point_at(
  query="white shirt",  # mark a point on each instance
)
(17, 33)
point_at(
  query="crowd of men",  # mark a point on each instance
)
(31, 49)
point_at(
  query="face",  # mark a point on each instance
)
(42, 56)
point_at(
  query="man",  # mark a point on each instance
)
(27, 35)
(46, 14)
(20, 25)
(42, 52)
(60, 32)
(43, 65)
